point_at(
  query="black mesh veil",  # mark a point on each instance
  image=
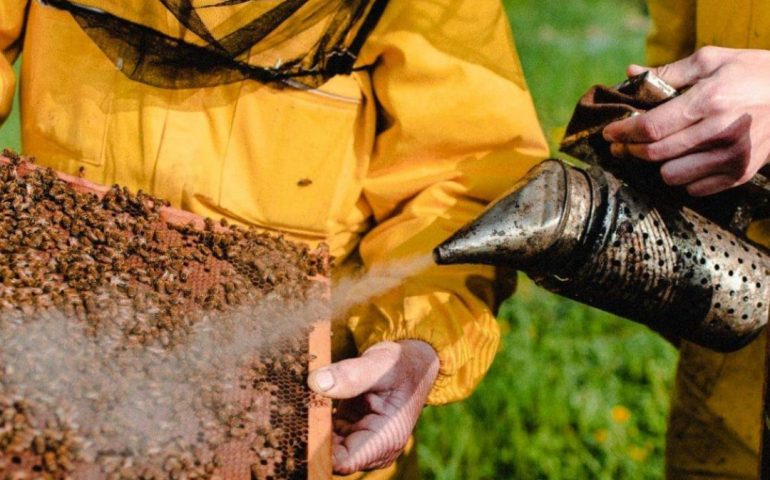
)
(277, 42)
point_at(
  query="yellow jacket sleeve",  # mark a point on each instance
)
(12, 13)
(672, 34)
(457, 128)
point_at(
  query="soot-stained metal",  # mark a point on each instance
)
(588, 236)
(156, 58)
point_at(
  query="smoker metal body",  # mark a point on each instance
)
(617, 238)
(589, 237)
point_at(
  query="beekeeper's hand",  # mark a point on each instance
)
(383, 393)
(716, 135)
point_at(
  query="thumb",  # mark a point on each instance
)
(372, 371)
(634, 70)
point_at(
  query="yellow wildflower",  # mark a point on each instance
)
(620, 414)
(601, 435)
(638, 454)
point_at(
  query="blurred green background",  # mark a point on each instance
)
(574, 393)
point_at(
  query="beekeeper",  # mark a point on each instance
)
(715, 136)
(378, 127)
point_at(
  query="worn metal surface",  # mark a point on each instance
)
(540, 201)
(589, 237)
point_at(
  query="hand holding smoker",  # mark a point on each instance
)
(614, 236)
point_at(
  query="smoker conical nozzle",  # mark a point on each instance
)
(535, 219)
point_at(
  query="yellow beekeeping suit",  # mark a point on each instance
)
(382, 164)
(716, 411)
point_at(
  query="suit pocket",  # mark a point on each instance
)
(292, 162)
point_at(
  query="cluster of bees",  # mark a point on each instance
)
(113, 266)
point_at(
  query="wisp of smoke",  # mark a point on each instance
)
(350, 291)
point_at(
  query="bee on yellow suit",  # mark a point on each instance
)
(378, 127)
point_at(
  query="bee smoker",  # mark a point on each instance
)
(616, 238)
(589, 237)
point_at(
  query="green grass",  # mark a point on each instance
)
(566, 47)
(574, 393)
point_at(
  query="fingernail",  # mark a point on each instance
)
(323, 380)
(607, 136)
